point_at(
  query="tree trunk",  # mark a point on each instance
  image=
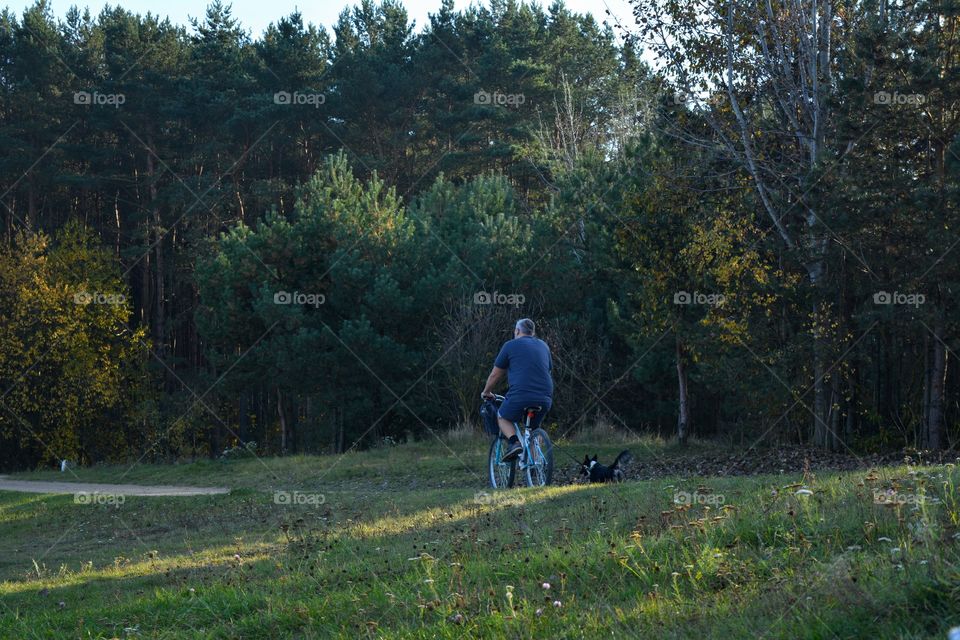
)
(146, 304)
(31, 202)
(310, 425)
(283, 423)
(341, 434)
(244, 418)
(821, 393)
(293, 423)
(683, 421)
(159, 332)
(262, 417)
(850, 426)
(119, 234)
(927, 378)
(933, 431)
(836, 398)
(820, 432)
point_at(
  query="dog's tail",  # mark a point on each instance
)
(623, 458)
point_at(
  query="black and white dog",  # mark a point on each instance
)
(596, 472)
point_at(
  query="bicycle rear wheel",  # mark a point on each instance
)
(540, 462)
(501, 473)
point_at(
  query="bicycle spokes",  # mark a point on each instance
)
(501, 473)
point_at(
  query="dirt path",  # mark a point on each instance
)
(33, 486)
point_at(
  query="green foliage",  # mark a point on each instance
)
(507, 147)
(373, 273)
(67, 358)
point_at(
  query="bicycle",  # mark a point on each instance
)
(535, 461)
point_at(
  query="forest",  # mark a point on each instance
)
(730, 220)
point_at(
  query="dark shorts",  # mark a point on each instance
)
(512, 410)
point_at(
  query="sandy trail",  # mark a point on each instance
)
(34, 486)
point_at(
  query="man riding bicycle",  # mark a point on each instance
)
(527, 362)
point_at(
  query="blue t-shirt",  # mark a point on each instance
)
(528, 363)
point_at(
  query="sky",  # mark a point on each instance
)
(255, 15)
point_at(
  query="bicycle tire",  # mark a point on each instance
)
(540, 446)
(501, 475)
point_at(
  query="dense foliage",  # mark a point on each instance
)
(319, 239)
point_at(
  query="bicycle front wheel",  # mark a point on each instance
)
(501, 473)
(540, 462)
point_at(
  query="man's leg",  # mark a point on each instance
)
(514, 448)
(506, 427)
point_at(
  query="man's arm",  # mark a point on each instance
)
(495, 374)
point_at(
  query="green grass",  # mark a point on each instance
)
(402, 546)
(456, 462)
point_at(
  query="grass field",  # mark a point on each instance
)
(404, 542)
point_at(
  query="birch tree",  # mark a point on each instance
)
(762, 74)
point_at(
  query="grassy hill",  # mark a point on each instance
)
(405, 542)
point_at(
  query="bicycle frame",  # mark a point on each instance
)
(522, 461)
(535, 460)
(525, 457)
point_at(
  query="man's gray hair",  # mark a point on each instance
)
(526, 327)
